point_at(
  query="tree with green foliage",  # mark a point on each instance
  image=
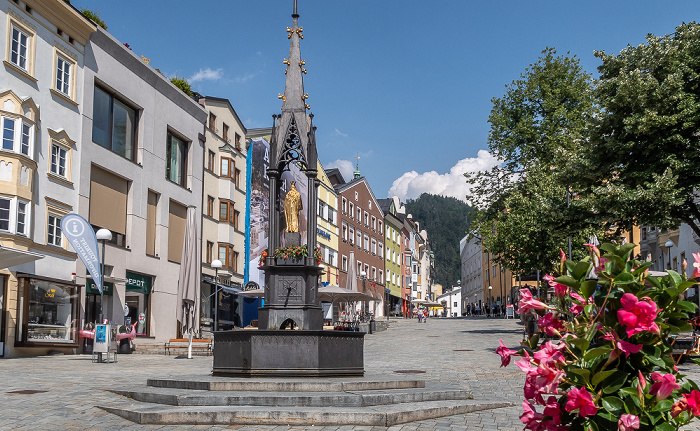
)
(537, 129)
(446, 221)
(643, 160)
(182, 84)
(95, 16)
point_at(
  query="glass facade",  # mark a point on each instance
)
(51, 311)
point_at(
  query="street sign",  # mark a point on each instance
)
(83, 240)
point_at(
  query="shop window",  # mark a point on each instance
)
(176, 159)
(114, 124)
(138, 289)
(47, 312)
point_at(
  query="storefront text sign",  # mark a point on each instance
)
(138, 282)
(82, 238)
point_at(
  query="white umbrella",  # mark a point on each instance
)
(351, 283)
(188, 284)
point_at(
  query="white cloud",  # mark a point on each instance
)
(207, 75)
(345, 166)
(242, 79)
(412, 184)
(339, 133)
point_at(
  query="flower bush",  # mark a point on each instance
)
(292, 252)
(610, 366)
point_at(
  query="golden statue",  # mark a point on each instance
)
(292, 206)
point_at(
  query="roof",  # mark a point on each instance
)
(228, 102)
(340, 188)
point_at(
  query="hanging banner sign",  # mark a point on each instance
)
(81, 236)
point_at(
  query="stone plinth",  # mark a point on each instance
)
(288, 353)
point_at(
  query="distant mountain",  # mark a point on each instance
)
(446, 220)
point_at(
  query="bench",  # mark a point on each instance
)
(182, 343)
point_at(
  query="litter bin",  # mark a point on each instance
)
(372, 326)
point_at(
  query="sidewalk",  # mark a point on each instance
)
(457, 351)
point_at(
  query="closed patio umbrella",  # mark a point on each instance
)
(188, 283)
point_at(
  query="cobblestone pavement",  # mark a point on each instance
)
(455, 351)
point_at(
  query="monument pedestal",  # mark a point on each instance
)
(288, 353)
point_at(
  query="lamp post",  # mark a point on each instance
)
(216, 264)
(103, 235)
(488, 312)
(668, 245)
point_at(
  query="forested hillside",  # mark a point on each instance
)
(446, 220)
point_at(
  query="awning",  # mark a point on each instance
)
(13, 257)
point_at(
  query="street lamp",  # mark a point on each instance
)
(103, 235)
(668, 245)
(488, 312)
(216, 264)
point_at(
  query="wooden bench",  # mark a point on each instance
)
(182, 343)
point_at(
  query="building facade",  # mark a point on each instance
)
(327, 230)
(392, 252)
(41, 112)
(471, 271)
(223, 212)
(361, 227)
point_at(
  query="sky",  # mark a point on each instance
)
(406, 86)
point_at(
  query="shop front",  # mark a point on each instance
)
(47, 312)
(138, 302)
(92, 300)
(230, 306)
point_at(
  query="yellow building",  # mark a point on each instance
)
(327, 227)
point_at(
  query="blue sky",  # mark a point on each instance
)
(406, 85)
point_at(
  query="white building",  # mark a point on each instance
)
(471, 272)
(452, 303)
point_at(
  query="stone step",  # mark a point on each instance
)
(288, 385)
(383, 415)
(176, 397)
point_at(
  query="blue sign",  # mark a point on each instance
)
(323, 233)
(81, 236)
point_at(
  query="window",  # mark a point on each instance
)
(236, 177)
(374, 246)
(238, 141)
(225, 133)
(176, 159)
(177, 219)
(322, 209)
(332, 215)
(352, 210)
(211, 159)
(210, 206)
(228, 257)
(53, 230)
(22, 218)
(381, 229)
(352, 235)
(212, 122)
(374, 273)
(58, 159)
(210, 251)
(20, 47)
(388, 233)
(345, 232)
(223, 210)
(114, 124)
(455, 305)
(227, 166)
(17, 136)
(356, 196)
(380, 249)
(50, 313)
(108, 200)
(345, 206)
(228, 213)
(5, 213)
(374, 223)
(151, 207)
(366, 219)
(63, 75)
(359, 239)
(345, 263)
(367, 243)
(369, 204)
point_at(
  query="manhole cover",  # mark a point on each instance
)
(409, 371)
(26, 392)
(462, 350)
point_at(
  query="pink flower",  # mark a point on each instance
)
(636, 315)
(505, 354)
(628, 423)
(553, 412)
(664, 386)
(550, 353)
(578, 308)
(530, 418)
(679, 407)
(641, 384)
(562, 256)
(593, 249)
(527, 302)
(580, 399)
(559, 289)
(693, 401)
(550, 324)
(629, 348)
(696, 266)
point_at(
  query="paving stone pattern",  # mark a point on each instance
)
(452, 351)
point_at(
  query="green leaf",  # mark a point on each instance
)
(625, 248)
(567, 281)
(677, 280)
(687, 305)
(614, 382)
(581, 270)
(581, 343)
(586, 374)
(663, 405)
(625, 278)
(608, 416)
(612, 404)
(588, 288)
(665, 426)
(595, 352)
(602, 375)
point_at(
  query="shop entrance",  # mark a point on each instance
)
(138, 289)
